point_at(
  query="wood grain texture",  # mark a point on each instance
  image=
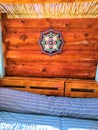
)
(68, 46)
(86, 23)
(40, 56)
(52, 69)
(32, 38)
(72, 41)
(24, 57)
(50, 86)
(67, 36)
(39, 29)
(96, 55)
(35, 85)
(81, 89)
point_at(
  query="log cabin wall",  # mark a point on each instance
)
(23, 55)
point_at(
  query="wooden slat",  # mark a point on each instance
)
(41, 86)
(39, 29)
(46, 86)
(33, 38)
(86, 23)
(25, 38)
(69, 46)
(66, 80)
(50, 62)
(40, 56)
(72, 40)
(42, 1)
(81, 89)
(52, 69)
(14, 82)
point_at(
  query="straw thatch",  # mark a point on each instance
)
(43, 1)
(59, 10)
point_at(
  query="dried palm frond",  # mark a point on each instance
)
(43, 1)
(62, 10)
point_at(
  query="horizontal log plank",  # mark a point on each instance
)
(33, 45)
(61, 29)
(66, 80)
(39, 56)
(72, 46)
(25, 38)
(9, 80)
(26, 81)
(46, 63)
(31, 40)
(46, 22)
(52, 69)
(34, 38)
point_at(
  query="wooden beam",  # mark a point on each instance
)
(3, 16)
(44, 1)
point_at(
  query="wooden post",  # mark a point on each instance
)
(96, 78)
(1, 55)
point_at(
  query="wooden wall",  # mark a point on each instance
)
(23, 55)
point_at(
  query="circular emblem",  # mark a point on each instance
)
(51, 42)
